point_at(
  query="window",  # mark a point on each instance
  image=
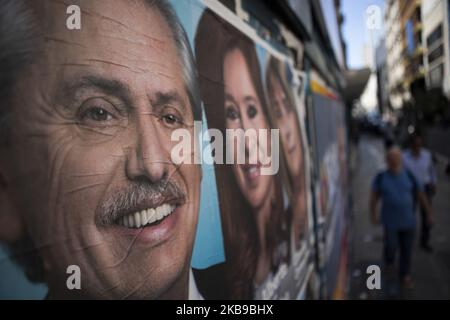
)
(435, 36)
(435, 54)
(410, 40)
(436, 76)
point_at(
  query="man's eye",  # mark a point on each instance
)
(231, 113)
(97, 111)
(97, 114)
(170, 119)
(252, 112)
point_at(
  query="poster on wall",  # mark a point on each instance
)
(331, 186)
(266, 219)
(170, 160)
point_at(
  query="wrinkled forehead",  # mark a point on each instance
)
(137, 18)
(127, 36)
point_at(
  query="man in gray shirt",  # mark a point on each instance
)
(419, 162)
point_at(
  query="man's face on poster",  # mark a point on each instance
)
(88, 169)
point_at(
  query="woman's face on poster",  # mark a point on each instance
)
(243, 110)
(287, 123)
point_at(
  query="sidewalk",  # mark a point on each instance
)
(431, 272)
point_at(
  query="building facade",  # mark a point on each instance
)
(435, 37)
(382, 77)
(413, 49)
(394, 55)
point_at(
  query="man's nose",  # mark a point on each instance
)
(147, 156)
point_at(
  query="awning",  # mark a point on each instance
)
(356, 83)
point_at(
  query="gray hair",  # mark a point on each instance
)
(19, 36)
(18, 42)
(185, 54)
(17, 50)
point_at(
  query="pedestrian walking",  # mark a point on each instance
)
(419, 162)
(398, 191)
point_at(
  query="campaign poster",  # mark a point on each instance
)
(119, 182)
(266, 219)
(331, 182)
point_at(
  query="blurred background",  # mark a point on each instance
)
(405, 45)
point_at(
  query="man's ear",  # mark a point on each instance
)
(11, 222)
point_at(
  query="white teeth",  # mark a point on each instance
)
(130, 221)
(143, 217)
(169, 209)
(160, 212)
(151, 213)
(148, 216)
(137, 219)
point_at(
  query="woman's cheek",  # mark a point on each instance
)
(232, 124)
(239, 177)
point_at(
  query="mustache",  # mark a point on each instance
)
(139, 195)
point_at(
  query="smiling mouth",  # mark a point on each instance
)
(251, 172)
(147, 217)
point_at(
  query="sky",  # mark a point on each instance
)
(355, 29)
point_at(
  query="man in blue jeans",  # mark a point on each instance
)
(399, 193)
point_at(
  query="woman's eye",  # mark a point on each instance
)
(252, 111)
(231, 113)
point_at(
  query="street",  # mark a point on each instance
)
(431, 272)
